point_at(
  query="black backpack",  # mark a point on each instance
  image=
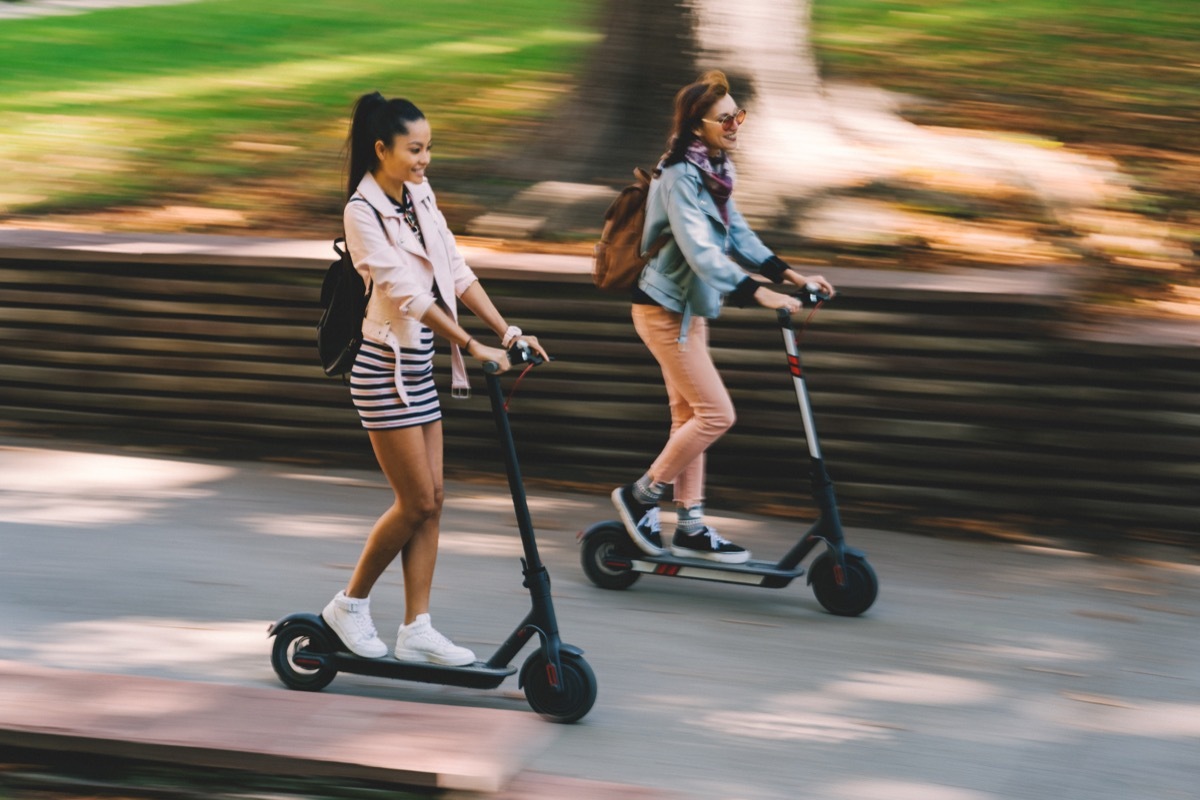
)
(344, 299)
(344, 304)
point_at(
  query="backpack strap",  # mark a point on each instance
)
(647, 177)
(358, 198)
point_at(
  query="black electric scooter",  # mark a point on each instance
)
(559, 684)
(842, 580)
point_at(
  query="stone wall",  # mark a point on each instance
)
(967, 402)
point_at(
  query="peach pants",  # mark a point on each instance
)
(701, 409)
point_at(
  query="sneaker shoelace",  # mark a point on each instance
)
(362, 624)
(650, 519)
(435, 639)
(716, 538)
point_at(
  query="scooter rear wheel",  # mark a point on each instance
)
(288, 647)
(597, 552)
(576, 697)
(855, 596)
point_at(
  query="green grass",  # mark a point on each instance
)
(125, 105)
(242, 104)
(1118, 77)
(1093, 60)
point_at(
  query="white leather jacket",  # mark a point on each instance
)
(408, 278)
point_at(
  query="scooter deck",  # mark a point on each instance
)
(477, 675)
(767, 574)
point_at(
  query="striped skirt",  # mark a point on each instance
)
(373, 385)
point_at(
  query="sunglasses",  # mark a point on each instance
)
(726, 121)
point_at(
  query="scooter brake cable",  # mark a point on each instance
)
(808, 319)
(516, 383)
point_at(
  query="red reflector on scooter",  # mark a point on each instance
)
(552, 675)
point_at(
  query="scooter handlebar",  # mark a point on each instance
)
(519, 353)
(813, 294)
(810, 296)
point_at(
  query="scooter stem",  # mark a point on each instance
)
(797, 370)
(515, 485)
(541, 617)
(828, 527)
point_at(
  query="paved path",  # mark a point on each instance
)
(986, 670)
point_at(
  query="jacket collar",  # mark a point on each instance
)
(709, 204)
(370, 189)
(374, 194)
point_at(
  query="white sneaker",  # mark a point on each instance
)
(420, 642)
(350, 618)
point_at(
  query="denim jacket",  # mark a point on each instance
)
(699, 265)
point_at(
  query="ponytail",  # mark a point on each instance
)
(374, 119)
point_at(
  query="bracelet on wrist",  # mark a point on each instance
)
(509, 336)
(467, 346)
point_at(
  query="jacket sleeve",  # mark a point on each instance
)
(746, 244)
(378, 260)
(695, 237)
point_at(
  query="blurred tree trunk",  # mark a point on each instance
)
(617, 116)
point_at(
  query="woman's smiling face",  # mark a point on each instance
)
(721, 115)
(408, 157)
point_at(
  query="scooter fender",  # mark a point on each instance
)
(563, 647)
(595, 528)
(302, 617)
(848, 552)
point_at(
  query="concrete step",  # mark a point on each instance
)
(273, 731)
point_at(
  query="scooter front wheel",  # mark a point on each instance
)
(568, 703)
(287, 657)
(602, 553)
(857, 592)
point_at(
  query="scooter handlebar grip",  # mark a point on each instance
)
(814, 294)
(522, 353)
(519, 353)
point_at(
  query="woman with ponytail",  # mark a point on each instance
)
(400, 243)
(706, 260)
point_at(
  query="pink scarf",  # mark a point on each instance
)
(715, 172)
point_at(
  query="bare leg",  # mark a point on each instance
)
(420, 554)
(411, 460)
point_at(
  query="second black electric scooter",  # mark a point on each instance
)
(842, 580)
(559, 684)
